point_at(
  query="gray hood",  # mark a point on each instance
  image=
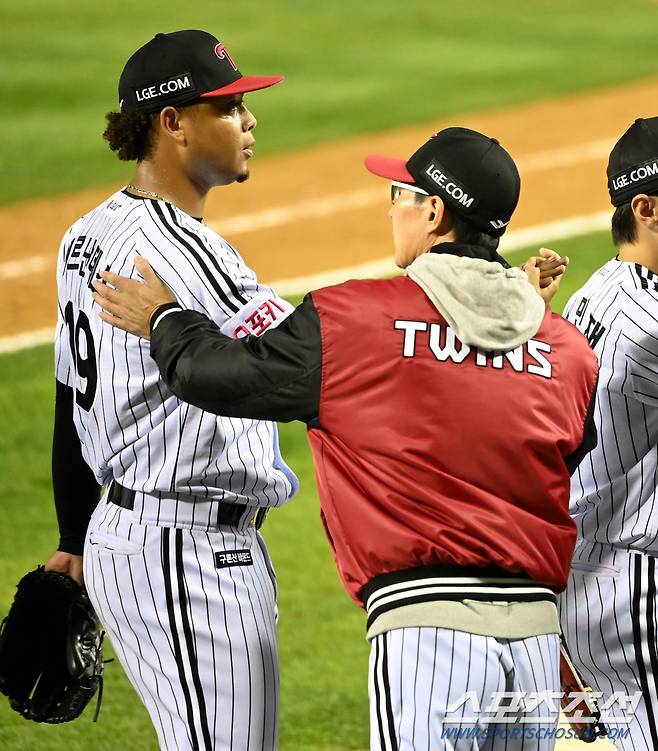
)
(486, 305)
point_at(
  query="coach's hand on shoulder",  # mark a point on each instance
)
(66, 563)
(129, 304)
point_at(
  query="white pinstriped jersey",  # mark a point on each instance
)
(614, 495)
(131, 427)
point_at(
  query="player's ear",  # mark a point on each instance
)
(644, 209)
(654, 211)
(171, 125)
(437, 217)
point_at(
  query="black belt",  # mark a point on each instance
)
(228, 514)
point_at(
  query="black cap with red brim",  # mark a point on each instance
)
(243, 85)
(389, 167)
(472, 173)
(180, 68)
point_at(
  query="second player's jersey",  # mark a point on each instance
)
(614, 496)
(131, 427)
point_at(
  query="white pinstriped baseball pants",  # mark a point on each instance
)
(609, 621)
(197, 642)
(417, 674)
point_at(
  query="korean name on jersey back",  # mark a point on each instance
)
(591, 328)
(83, 255)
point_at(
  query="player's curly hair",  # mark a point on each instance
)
(130, 134)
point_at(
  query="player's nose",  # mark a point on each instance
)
(249, 121)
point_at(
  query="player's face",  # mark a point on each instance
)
(219, 141)
(409, 226)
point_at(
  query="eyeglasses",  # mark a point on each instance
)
(396, 187)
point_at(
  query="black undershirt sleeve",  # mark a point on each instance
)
(75, 488)
(590, 438)
(276, 376)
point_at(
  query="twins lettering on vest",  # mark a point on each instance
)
(531, 357)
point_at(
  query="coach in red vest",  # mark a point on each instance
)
(446, 410)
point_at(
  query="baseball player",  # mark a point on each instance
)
(446, 409)
(609, 611)
(173, 561)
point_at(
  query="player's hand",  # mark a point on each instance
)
(129, 304)
(551, 267)
(66, 563)
(545, 272)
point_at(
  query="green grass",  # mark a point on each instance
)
(322, 647)
(351, 67)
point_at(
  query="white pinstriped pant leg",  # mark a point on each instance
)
(608, 615)
(197, 642)
(416, 674)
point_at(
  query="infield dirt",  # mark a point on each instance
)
(319, 209)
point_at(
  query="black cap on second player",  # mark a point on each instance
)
(179, 68)
(633, 163)
(472, 173)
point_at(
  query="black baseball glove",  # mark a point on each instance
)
(50, 648)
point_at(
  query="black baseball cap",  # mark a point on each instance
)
(472, 173)
(179, 68)
(633, 163)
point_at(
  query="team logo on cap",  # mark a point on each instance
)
(647, 171)
(498, 223)
(174, 85)
(439, 176)
(222, 54)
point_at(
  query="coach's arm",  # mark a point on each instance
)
(276, 376)
(273, 377)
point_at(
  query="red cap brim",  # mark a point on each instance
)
(244, 84)
(389, 167)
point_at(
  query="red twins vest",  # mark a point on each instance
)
(429, 451)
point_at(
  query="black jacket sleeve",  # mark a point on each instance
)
(590, 438)
(74, 485)
(276, 376)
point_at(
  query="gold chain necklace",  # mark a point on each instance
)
(148, 193)
(155, 196)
